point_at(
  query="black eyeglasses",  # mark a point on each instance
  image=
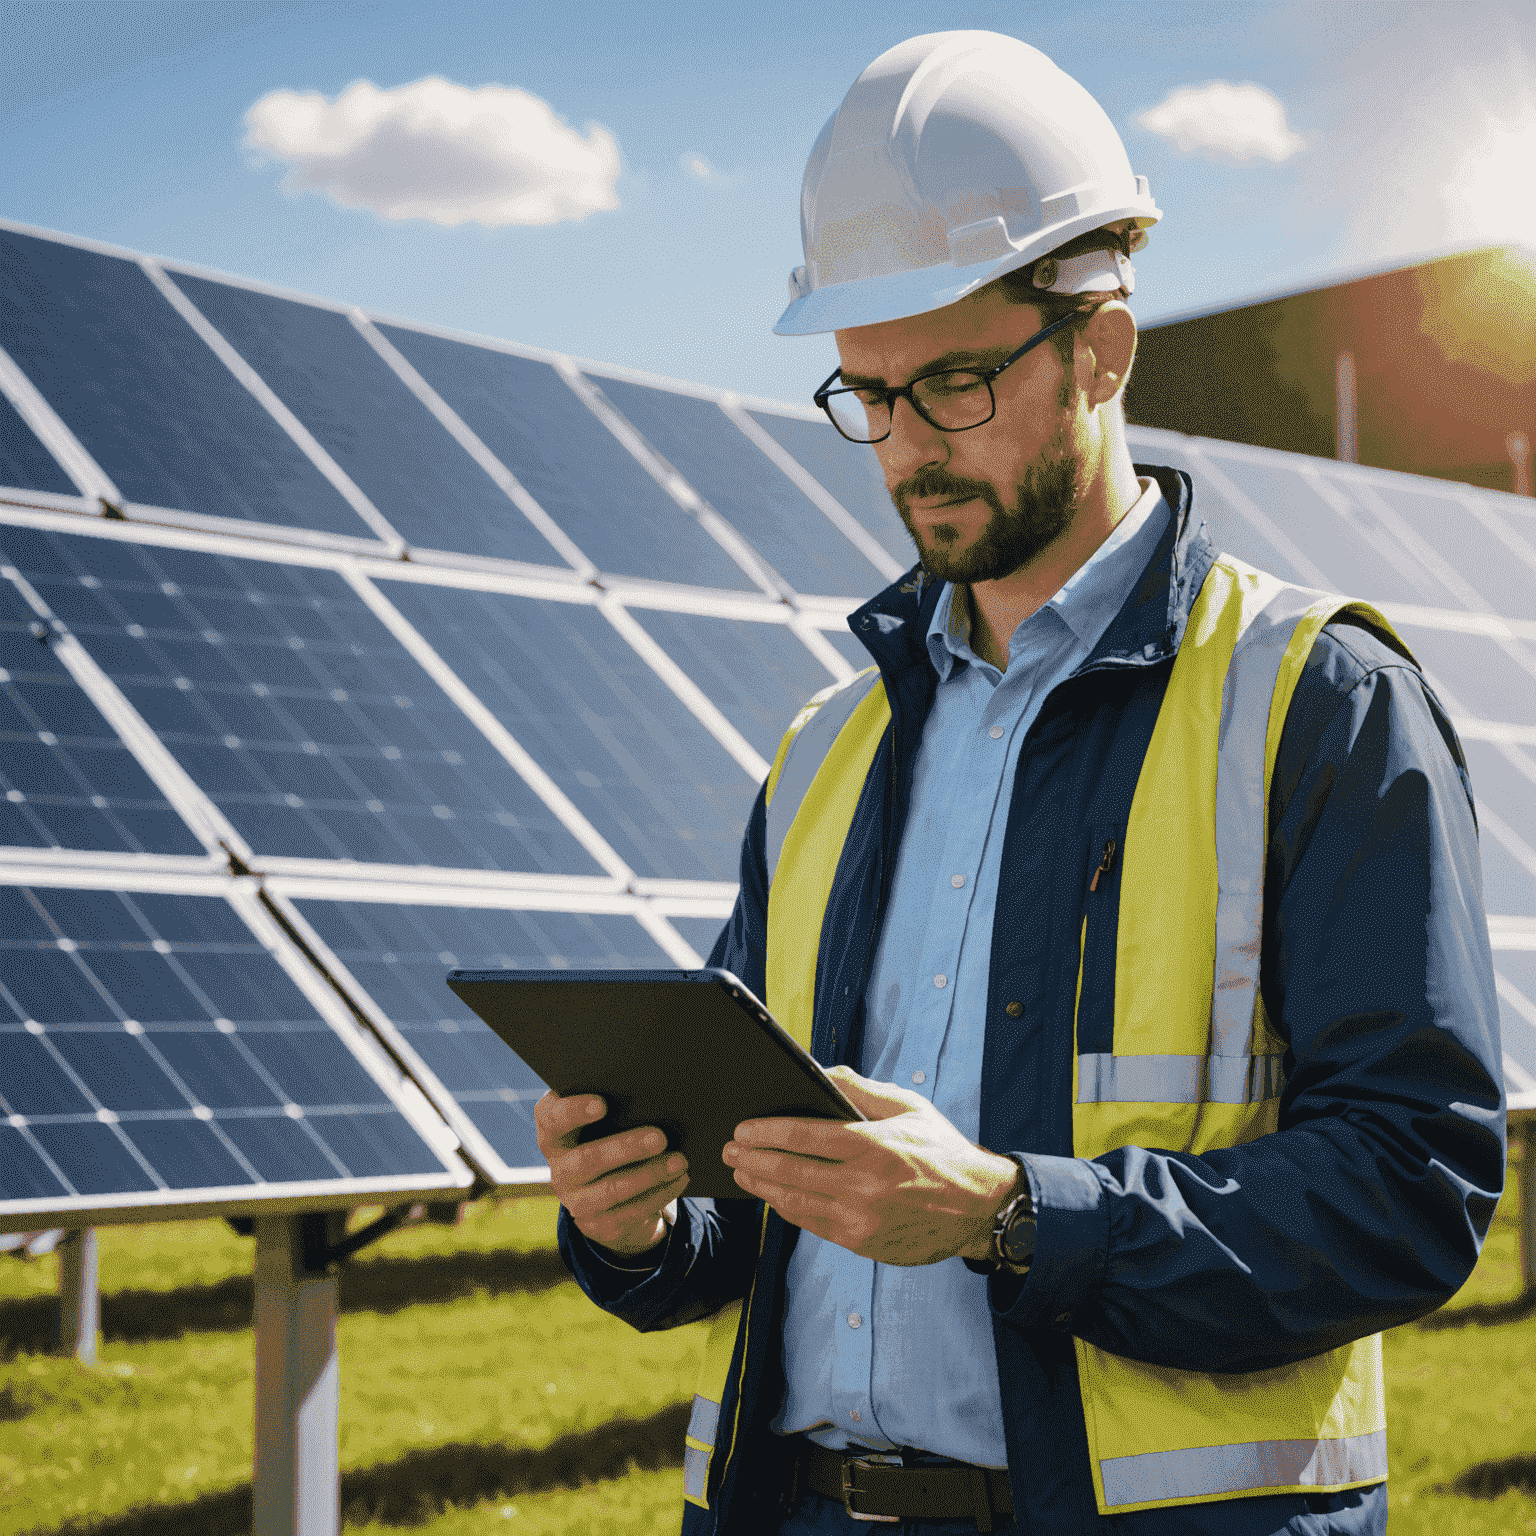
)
(953, 399)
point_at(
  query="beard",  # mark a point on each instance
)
(1045, 505)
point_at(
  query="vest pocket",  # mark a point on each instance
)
(1101, 914)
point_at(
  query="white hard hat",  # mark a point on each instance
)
(954, 158)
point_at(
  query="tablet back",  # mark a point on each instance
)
(691, 1052)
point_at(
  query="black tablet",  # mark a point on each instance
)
(691, 1052)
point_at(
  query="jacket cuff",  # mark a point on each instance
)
(605, 1276)
(1071, 1244)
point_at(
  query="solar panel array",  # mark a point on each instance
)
(340, 651)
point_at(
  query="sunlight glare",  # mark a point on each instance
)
(1492, 192)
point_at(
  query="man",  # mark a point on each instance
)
(1141, 890)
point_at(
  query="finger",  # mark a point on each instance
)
(785, 1170)
(637, 1189)
(815, 1138)
(595, 1160)
(558, 1121)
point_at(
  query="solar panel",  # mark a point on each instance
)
(849, 471)
(753, 495)
(286, 699)
(394, 956)
(155, 1053)
(141, 391)
(432, 493)
(644, 771)
(758, 675)
(66, 777)
(24, 463)
(595, 490)
(1449, 565)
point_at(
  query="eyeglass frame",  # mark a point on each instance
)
(894, 393)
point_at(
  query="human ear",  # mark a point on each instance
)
(1111, 339)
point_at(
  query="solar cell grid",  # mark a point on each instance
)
(758, 675)
(400, 956)
(612, 735)
(66, 778)
(394, 450)
(581, 475)
(849, 471)
(850, 646)
(24, 463)
(746, 489)
(1485, 677)
(151, 1045)
(1476, 555)
(290, 704)
(700, 932)
(146, 398)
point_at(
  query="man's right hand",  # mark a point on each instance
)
(620, 1191)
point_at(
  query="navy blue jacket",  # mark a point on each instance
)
(1365, 1210)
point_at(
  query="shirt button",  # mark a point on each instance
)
(941, 981)
(996, 732)
(919, 1077)
(1013, 1010)
(854, 1320)
(853, 1413)
(957, 881)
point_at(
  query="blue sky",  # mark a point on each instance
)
(1403, 129)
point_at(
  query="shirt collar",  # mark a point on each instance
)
(1086, 602)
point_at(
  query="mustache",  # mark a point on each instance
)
(933, 482)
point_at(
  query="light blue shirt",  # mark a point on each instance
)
(882, 1355)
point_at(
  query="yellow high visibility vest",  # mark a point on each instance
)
(1195, 1063)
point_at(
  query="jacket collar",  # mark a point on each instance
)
(893, 626)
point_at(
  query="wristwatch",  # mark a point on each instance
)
(1013, 1234)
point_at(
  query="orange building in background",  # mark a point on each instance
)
(1429, 368)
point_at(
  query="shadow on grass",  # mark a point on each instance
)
(1491, 1479)
(1483, 1314)
(29, 1325)
(417, 1488)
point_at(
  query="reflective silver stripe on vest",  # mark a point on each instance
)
(695, 1473)
(1241, 830)
(704, 1420)
(811, 744)
(1229, 1469)
(1104, 1079)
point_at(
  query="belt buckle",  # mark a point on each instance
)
(872, 1460)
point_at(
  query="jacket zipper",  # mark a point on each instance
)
(1106, 864)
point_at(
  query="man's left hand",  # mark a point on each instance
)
(902, 1187)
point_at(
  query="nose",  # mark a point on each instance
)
(913, 444)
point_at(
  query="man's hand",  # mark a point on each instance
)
(621, 1191)
(903, 1187)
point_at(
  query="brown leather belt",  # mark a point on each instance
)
(876, 1487)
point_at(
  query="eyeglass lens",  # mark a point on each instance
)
(951, 401)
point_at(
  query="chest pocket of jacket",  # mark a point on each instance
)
(1095, 1013)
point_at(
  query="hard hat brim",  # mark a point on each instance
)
(899, 295)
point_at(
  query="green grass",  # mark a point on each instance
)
(482, 1393)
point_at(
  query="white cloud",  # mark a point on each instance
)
(436, 150)
(697, 165)
(1222, 121)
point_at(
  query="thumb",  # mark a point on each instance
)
(876, 1101)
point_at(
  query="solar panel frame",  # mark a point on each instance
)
(285, 893)
(271, 1199)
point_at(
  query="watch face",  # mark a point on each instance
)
(1018, 1241)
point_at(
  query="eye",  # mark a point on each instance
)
(869, 397)
(942, 385)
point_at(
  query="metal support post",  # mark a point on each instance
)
(1526, 1130)
(297, 1492)
(79, 1295)
(1346, 429)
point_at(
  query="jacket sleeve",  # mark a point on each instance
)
(710, 1253)
(1368, 1206)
